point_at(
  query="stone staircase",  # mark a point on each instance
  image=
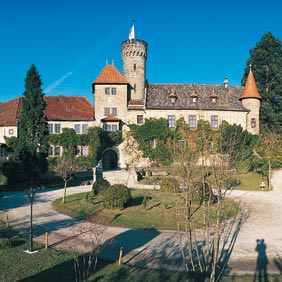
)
(120, 176)
(126, 177)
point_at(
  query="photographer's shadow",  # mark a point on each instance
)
(262, 262)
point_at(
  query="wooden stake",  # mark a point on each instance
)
(120, 256)
(7, 221)
(46, 240)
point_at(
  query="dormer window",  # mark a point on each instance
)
(172, 97)
(213, 97)
(194, 97)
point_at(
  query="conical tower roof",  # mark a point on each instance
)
(250, 89)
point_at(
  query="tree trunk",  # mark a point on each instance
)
(65, 191)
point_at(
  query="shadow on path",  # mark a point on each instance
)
(262, 262)
(130, 240)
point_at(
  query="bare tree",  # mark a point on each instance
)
(205, 178)
(85, 263)
(65, 168)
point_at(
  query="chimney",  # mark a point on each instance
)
(225, 82)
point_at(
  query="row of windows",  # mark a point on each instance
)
(108, 111)
(110, 127)
(192, 121)
(57, 151)
(56, 128)
(110, 90)
(181, 144)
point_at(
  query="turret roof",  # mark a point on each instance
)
(110, 74)
(250, 89)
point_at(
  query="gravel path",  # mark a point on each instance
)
(155, 248)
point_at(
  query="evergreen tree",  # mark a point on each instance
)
(266, 63)
(33, 131)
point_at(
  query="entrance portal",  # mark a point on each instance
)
(109, 159)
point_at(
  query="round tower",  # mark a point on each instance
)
(134, 55)
(250, 100)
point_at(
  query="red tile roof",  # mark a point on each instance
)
(250, 89)
(10, 112)
(64, 108)
(111, 118)
(68, 108)
(110, 74)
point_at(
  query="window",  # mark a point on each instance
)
(84, 128)
(85, 151)
(107, 127)
(152, 143)
(192, 121)
(107, 90)
(78, 150)
(50, 128)
(181, 144)
(114, 127)
(210, 147)
(171, 121)
(114, 91)
(114, 111)
(77, 128)
(50, 151)
(57, 151)
(107, 111)
(253, 123)
(57, 128)
(140, 119)
(134, 67)
(11, 131)
(214, 121)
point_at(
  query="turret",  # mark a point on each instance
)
(250, 99)
(134, 55)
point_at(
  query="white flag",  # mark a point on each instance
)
(131, 33)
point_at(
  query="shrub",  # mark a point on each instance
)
(5, 243)
(203, 193)
(117, 196)
(100, 186)
(3, 179)
(12, 169)
(169, 185)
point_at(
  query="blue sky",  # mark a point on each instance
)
(69, 41)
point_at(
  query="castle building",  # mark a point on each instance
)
(128, 98)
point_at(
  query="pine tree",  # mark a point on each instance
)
(266, 63)
(33, 131)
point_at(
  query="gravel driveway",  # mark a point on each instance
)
(155, 248)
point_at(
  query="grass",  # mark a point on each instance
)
(16, 265)
(159, 213)
(250, 181)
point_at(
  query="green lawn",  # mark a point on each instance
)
(160, 212)
(250, 181)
